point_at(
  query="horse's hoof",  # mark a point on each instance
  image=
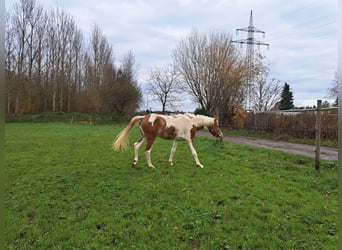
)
(152, 167)
(200, 165)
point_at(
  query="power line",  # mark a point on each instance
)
(300, 9)
(250, 41)
(307, 22)
(304, 28)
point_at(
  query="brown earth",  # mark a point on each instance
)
(327, 153)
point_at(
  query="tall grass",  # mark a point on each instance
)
(66, 189)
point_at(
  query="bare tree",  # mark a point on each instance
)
(74, 77)
(61, 34)
(101, 54)
(126, 95)
(36, 26)
(48, 66)
(98, 58)
(24, 39)
(11, 62)
(40, 46)
(163, 86)
(266, 93)
(20, 21)
(212, 70)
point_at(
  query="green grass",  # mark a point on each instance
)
(66, 189)
(96, 119)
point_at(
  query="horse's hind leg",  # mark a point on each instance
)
(173, 151)
(137, 145)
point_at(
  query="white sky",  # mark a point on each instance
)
(302, 34)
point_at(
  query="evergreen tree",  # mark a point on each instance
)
(286, 101)
(336, 102)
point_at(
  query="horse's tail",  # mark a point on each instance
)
(121, 141)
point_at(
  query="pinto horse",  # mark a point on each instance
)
(177, 127)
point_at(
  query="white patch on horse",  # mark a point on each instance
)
(152, 118)
(170, 121)
(182, 126)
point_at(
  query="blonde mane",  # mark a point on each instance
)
(200, 120)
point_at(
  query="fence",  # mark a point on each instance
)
(294, 123)
(313, 123)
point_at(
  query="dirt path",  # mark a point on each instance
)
(327, 153)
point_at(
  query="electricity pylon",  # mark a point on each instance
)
(250, 41)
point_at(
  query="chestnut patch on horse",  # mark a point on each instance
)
(157, 126)
(161, 129)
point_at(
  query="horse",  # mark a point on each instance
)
(177, 128)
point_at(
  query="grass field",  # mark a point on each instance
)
(66, 189)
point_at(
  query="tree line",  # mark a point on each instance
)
(214, 72)
(51, 67)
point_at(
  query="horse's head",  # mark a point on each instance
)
(215, 130)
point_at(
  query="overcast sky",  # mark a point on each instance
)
(302, 34)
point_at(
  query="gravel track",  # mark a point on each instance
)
(327, 153)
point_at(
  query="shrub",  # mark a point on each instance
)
(294, 125)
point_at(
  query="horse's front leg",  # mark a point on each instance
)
(137, 145)
(173, 151)
(148, 150)
(194, 154)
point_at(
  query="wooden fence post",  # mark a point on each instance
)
(318, 135)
